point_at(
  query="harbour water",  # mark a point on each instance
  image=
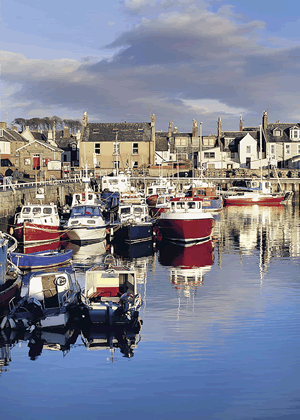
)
(219, 339)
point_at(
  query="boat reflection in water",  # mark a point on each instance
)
(188, 264)
(37, 341)
(90, 252)
(132, 251)
(111, 338)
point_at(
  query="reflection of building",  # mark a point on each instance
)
(268, 231)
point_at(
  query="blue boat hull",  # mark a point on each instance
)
(41, 259)
(134, 233)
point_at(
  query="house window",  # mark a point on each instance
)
(140, 130)
(232, 155)
(27, 161)
(97, 148)
(135, 164)
(298, 149)
(287, 149)
(294, 134)
(116, 164)
(116, 150)
(277, 133)
(248, 149)
(95, 131)
(272, 149)
(98, 164)
(209, 155)
(135, 148)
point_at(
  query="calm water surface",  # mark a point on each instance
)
(220, 338)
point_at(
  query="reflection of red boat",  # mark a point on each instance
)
(198, 255)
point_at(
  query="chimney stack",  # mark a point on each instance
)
(241, 123)
(3, 125)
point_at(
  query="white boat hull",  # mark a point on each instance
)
(87, 233)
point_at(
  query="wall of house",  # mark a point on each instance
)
(107, 157)
(246, 142)
(25, 157)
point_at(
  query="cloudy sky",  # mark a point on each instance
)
(179, 59)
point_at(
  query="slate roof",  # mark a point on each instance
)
(65, 143)
(133, 132)
(38, 136)
(161, 141)
(11, 135)
(285, 132)
(237, 136)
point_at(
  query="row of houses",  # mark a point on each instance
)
(126, 146)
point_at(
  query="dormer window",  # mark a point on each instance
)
(277, 132)
(294, 133)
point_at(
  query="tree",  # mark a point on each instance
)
(21, 122)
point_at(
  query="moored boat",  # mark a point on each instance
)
(50, 297)
(41, 259)
(185, 221)
(134, 223)
(110, 293)
(37, 224)
(256, 192)
(86, 223)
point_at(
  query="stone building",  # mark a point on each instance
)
(10, 141)
(282, 143)
(124, 145)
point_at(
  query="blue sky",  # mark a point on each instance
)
(185, 59)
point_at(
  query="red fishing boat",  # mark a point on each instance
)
(37, 225)
(185, 221)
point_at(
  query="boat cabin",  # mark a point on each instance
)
(50, 289)
(135, 212)
(86, 198)
(185, 204)
(119, 183)
(90, 212)
(259, 185)
(109, 284)
(38, 213)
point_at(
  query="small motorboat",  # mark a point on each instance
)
(111, 294)
(51, 297)
(41, 259)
